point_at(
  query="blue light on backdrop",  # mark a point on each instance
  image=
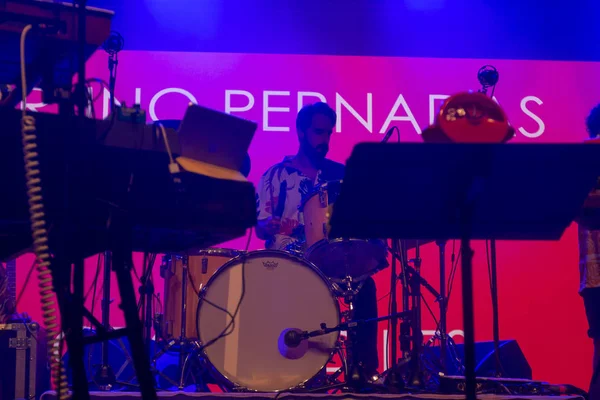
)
(512, 29)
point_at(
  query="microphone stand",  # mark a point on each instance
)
(105, 377)
(416, 379)
(495, 316)
(394, 379)
(488, 76)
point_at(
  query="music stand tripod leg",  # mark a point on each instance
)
(468, 317)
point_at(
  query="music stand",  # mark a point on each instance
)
(466, 192)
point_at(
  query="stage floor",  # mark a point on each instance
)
(290, 396)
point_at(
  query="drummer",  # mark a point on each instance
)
(281, 225)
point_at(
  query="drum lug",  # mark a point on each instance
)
(165, 267)
(323, 198)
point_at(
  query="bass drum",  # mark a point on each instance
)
(282, 292)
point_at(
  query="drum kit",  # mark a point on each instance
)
(271, 320)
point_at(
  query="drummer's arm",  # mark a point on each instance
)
(261, 229)
(267, 225)
(266, 228)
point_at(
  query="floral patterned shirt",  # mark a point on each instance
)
(298, 186)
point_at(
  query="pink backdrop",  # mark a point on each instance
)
(545, 101)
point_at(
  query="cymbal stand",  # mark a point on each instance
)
(411, 337)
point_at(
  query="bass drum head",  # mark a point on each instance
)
(282, 292)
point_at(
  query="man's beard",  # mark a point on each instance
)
(316, 154)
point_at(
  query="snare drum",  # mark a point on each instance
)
(337, 257)
(282, 292)
(202, 265)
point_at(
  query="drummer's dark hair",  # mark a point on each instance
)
(304, 118)
(593, 122)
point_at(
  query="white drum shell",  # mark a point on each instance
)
(282, 292)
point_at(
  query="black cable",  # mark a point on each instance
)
(103, 85)
(94, 285)
(437, 323)
(452, 275)
(230, 326)
(27, 280)
(395, 128)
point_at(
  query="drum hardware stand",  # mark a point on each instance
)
(187, 347)
(146, 291)
(446, 343)
(412, 279)
(410, 330)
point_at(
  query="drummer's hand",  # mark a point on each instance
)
(272, 225)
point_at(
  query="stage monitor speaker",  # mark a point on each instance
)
(514, 363)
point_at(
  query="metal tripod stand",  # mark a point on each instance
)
(411, 337)
(186, 347)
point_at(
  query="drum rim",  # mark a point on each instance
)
(215, 251)
(319, 188)
(383, 264)
(221, 376)
(320, 242)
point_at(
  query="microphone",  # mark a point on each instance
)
(488, 76)
(291, 343)
(292, 338)
(114, 43)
